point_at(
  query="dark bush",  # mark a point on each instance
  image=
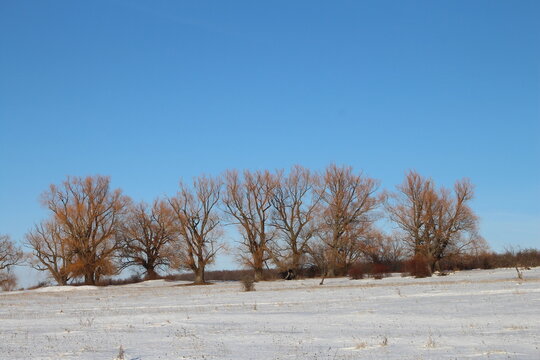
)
(288, 274)
(309, 272)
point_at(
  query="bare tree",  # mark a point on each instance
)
(348, 214)
(10, 255)
(51, 252)
(247, 201)
(380, 248)
(435, 223)
(89, 214)
(199, 224)
(294, 207)
(147, 237)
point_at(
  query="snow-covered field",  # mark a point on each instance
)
(480, 314)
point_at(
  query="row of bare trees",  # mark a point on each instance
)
(287, 220)
(95, 231)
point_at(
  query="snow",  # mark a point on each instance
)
(479, 314)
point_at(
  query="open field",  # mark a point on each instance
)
(480, 314)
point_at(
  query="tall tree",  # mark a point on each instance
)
(148, 236)
(294, 207)
(89, 214)
(349, 202)
(408, 207)
(51, 251)
(247, 201)
(199, 224)
(434, 222)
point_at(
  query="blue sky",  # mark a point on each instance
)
(149, 92)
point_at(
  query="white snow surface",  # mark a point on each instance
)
(478, 314)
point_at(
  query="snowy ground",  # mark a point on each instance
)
(470, 314)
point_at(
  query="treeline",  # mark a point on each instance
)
(289, 221)
(524, 258)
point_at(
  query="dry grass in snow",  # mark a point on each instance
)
(480, 314)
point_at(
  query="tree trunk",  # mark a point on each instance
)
(199, 275)
(332, 256)
(436, 265)
(331, 267)
(258, 273)
(295, 266)
(89, 279)
(258, 264)
(151, 273)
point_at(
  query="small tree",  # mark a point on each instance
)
(199, 224)
(148, 236)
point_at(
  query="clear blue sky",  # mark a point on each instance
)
(148, 92)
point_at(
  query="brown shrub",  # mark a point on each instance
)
(224, 275)
(39, 285)
(8, 282)
(528, 257)
(248, 283)
(376, 270)
(357, 271)
(379, 271)
(418, 266)
(133, 279)
(492, 260)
